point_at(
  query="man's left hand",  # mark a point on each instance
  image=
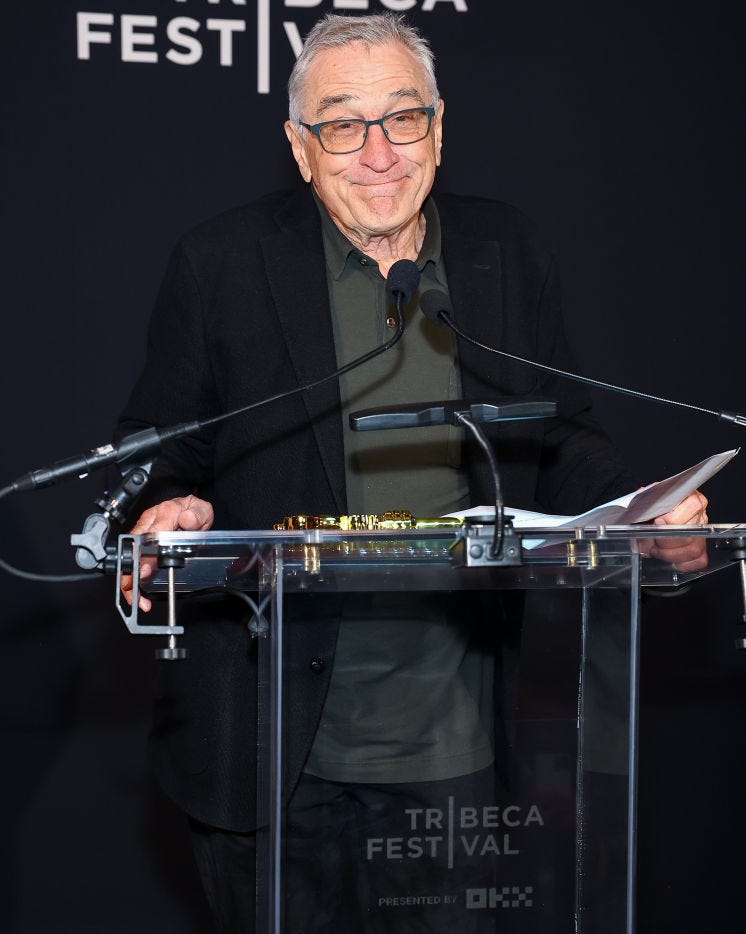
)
(686, 554)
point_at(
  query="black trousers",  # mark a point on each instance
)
(362, 859)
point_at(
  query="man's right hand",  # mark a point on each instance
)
(185, 512)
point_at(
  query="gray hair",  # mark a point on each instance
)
(334, 32)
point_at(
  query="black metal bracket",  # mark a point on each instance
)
(474, 548)
(91, 550)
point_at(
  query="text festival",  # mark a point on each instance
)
(433, 832)
(138, 37)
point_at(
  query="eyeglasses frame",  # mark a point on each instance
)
(315, 128)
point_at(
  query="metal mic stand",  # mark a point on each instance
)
(92, 552)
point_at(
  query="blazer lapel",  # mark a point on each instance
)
(294, 261)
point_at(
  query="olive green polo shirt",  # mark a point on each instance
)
(408, 468)
(409, 693)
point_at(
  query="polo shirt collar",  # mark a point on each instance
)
(338, 249)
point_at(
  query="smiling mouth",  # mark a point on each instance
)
(381, 184)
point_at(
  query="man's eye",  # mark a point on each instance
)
(344, 126)
(406, 118)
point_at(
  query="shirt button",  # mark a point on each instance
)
(390, 322)
(317, 665)
(363, 261)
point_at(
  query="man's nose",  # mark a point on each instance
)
(378, 153)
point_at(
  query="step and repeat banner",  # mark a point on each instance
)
(618, 128)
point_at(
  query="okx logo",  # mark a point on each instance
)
(509, 896)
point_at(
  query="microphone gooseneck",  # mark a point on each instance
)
(402, 282)
(400, 286)
(437, 307)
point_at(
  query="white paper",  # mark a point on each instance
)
(640, 506)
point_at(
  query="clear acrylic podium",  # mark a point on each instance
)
(551, 847)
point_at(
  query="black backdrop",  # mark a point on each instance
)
(617, 127)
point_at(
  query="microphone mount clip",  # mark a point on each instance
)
(91, 550)
(474, 546)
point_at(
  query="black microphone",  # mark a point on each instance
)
(436, 307)
(401, 283)
(141, 444)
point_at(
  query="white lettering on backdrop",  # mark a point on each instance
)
(137, 38)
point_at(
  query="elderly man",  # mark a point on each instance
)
(276, 294)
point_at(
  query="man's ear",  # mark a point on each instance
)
(298, 145)
(438, 130)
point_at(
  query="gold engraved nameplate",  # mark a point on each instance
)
(387, 521)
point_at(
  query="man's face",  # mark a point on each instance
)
(375, 191)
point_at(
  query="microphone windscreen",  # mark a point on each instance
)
(402, 281)
(433, 302)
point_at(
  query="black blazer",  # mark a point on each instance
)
(242, 314)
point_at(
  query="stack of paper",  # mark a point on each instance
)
(640, 506)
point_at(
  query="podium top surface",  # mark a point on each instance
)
(430, 559)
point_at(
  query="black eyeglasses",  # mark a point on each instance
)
(401, 127)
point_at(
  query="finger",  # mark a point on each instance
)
(692, 510)
(191, 519)
(682, 517)
(127, 592)
(693, 505)
(147, 566)
(147, 522)
(200, 510)
(161, 518)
